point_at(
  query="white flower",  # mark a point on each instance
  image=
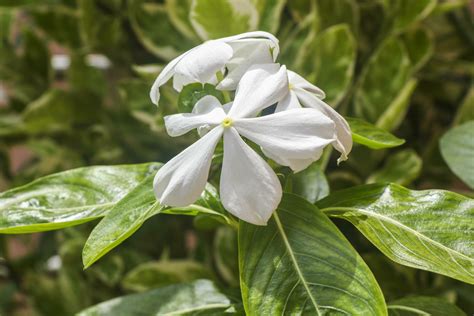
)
(249, 188)
(200, 64)
(303, 93)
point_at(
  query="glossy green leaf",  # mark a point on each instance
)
(457, 148)
(329, 61)
(220, 18)
(408, 12)
(152, 275)
(68, 198)
(191, 93)
(402, 168)
(429, 230)
(371, 136)
(420, 46)
(148, 17)
(385, 75)
(270, 14)
(129, 214)
(310, 183)
(300, 263)
(423, 306)
(199, 297)
(121, 221)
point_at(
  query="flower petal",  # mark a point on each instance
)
(290, 137)
(256, 35)
(202, 63)
(290, 101)
(247, 52)
(164, 76)
(207, 112)
(181, 180)
(260, 87)
(249, 188)
(343, 143)
(299, 82)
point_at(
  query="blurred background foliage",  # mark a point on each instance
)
(74, 83)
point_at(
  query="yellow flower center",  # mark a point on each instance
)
(227, 122)
(290, 86)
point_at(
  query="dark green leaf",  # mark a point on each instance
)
(68, 198)
(191, 93)
(420, 46)
(310, 183)
(270, 14)
(429, 230)
(466, 110)
(457, 148)
(152, 275)
(301, 264)
(423, 306)
(371, 136)
(181, 299)
(337, 12)
(408, 12)
(402, 168)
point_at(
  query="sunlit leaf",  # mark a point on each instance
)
(68, 198)
(220, 18)
(457, 148)
(429, 230)
(301, 264)
(187, 298)
(270, 14)
(178, 11)
(371, 136)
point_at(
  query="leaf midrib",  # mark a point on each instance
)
(295, 262)
(398, 224)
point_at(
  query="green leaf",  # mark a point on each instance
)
(194, 298)
(420, 46)
(384, 76)
(146, 18)
(371, 136)
(58, 110)
(408, 12)
(310, 183)
(220, 18)
(68, 198)
(129, 214)
(123, 219)
(329, 61)
(193, 92)
(398, 108)
(300, 263)
(429, 230)
(226, 254)
(270, 14)
(152, 275)
(337, 12)
(423, 306)
(402, 168)
(178, 11)
(457, 148)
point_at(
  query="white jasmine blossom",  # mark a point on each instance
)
(304, 94)
(249, 188)
(200, 64)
